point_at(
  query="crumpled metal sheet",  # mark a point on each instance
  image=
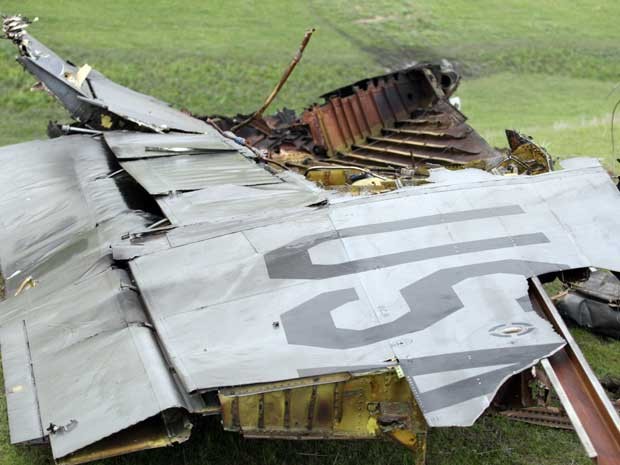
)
(164, 163)
(191, 172)
(140, 108)
(56, 204)
(96, 367)
(131, 144)
(61, 340)
(367, 280)
(97, 95)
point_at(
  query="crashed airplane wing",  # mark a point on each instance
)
(163, 268)
(432, 278)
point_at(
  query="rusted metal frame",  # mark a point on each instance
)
(236, 419)
(347, 106)
(384, 95)
(353, 168)
(261, 410)
(546, 416)
(289, 70)
(433, 121)
(394, 99)
(287, 409)
(358, 131)
(406, 109)
(338, 161)
(376, 96)
(311, 406)
(422, 132)
(149, 434)
(432, 81)
(381, 161)
(360, 114)
(332, 112)
(584, 399)
(574, 417)
(372, 405)
(342, 120)
(326, 135)
(408, 154)
(310, 118)
(414, 143)
(370, 110)
(338, 393)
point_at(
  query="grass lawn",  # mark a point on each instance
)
(545, 67)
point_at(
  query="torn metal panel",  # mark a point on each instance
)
(167, 429)
(398, 125)
(223, 204)
(92, 352)
(346, 293)
(141, 109)
(94, 99)
(191, 172)
(57, 204)
(129, 144)
(60, 212)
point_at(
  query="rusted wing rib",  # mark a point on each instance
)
(399, 118)
(594, 418)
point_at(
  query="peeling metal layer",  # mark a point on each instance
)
(130, 144)
(191, 172)
(209, 318)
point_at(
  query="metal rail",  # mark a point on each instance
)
(591, 412)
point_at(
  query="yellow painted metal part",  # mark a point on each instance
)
(534, 156)
(106, 121)
(351, 179)
(152, 433)
(372, 405)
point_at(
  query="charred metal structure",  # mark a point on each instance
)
(159, 267)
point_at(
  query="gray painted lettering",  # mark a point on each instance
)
(293, 261)
(430, 299)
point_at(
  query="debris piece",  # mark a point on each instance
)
(289, 70)
(593, 304)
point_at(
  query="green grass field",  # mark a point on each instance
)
(546, 67)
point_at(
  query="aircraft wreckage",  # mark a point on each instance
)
(371, 268)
